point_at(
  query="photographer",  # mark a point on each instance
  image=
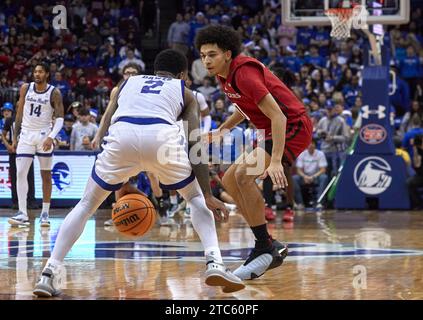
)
(334, 135)
(416, 182)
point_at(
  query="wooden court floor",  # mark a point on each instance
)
(333, 255)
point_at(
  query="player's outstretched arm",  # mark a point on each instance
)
(19, 114)
(201, 171)
(106, 118)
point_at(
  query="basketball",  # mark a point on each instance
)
(133, 215)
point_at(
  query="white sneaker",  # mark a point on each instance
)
(44, 222)
(299, 206)
(48, 284)
(319, 207)
(187, 213)
(108, 223)
(20, 219)
(174, 208)
(165, 221)
(218, 275)
(230, 206)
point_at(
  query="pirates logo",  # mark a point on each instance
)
(372, 175)
(61, 176)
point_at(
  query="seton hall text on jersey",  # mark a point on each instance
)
(37, 100)
(156, 78)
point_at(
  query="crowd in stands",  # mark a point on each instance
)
(86, 60)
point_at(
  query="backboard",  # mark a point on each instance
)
(312, 12)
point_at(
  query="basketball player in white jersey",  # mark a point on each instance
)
(39, 102)
(129, 70)
(143, 129)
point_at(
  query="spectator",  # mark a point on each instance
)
(177, 35)
(334, 135)
(198, 72)
(416, 109)
(207, 89)
(311, 170)
(410, 69)
(130, 58)
(83, 132)
(64, 136)
(416, 182)
(400, 100)
(93, 116)
(414, 130)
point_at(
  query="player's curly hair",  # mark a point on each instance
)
(43, 65)
(172, 61)
(225, 38)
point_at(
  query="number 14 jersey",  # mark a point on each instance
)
(38, 111)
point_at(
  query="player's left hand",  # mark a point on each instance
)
(47, 144)
(218, 208)
(276, 173)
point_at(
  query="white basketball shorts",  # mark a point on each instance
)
(31, 143)
(143, 144)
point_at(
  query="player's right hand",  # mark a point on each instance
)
(95, 143)
(218, 208)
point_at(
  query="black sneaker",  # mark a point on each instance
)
(259, 261)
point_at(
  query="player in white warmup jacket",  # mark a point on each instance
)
(39, 102)
(144, 136)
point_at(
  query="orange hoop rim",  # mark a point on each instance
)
(343, 13)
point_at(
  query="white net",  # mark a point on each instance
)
(343, 19)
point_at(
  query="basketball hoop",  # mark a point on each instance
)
(343, 19)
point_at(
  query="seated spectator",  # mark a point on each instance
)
(416, 108)
(415, 130)
(399, 151)
(311, 170)
(130, 58)
(83, 133)
(64, 136)
(93, 116)
(416, 182)
(100, 76)
(208, 88)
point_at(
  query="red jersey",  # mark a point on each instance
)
(248, 82)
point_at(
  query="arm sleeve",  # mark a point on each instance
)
(58, 124)
(250, 81)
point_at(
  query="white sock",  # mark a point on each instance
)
(53, 264)
(174, 199)
(202, 220)
(46, 207)
(22, 167)
(74, 223)
(213, 254)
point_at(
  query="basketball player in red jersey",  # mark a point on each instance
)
(263, 99)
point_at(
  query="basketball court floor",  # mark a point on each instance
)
(333, 255)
